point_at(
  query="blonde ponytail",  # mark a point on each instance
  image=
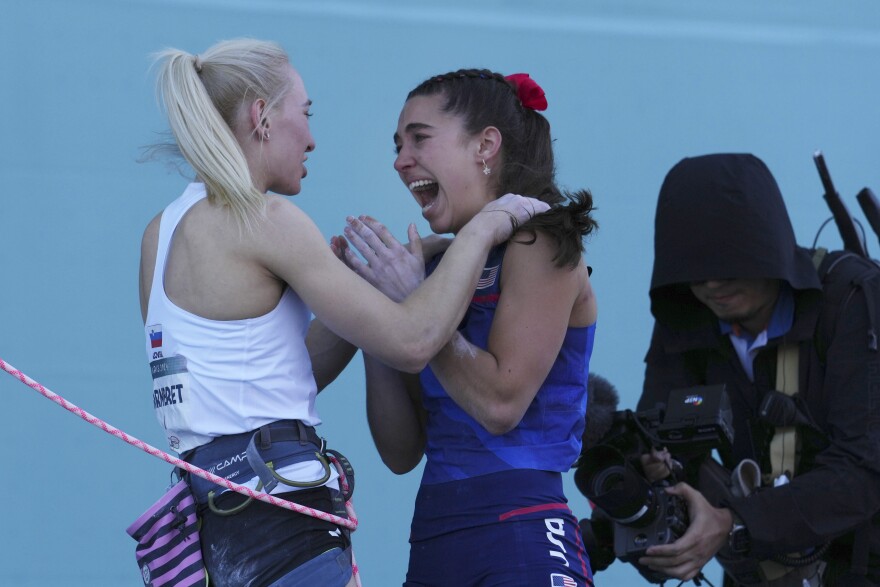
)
(202, 94)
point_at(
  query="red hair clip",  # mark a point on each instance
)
(528, 91)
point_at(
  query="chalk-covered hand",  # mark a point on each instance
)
(504, 215)
(392, 268)
(432, 245)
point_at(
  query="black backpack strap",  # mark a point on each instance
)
(863, 275)
(871, 283)
(843, 273)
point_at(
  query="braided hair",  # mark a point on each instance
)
(485, 98)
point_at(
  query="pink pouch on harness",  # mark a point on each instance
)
(169, 553)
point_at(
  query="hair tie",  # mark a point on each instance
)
(528, 91)
(198, 64)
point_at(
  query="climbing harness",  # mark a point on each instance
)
(351, 523)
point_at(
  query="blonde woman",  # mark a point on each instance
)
(230, 277)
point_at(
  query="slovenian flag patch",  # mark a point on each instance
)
(156, 336)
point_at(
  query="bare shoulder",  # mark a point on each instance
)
(284, 219)
(531, 265)
(149, 245)
(150, 242)
(282, 209)
(151, 233)
(534, 250)
(281, 224)
(288, 240)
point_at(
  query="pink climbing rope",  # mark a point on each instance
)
(351, 523)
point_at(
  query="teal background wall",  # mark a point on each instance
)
(633, 86)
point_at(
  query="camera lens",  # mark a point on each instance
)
(609, 481)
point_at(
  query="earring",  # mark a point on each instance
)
(486, 170)
(266, 136)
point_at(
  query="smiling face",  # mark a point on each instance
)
(290, 139)
(440, 164)
(747, 302)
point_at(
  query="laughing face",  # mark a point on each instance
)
(440, 164)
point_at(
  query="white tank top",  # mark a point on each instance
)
(215, 378)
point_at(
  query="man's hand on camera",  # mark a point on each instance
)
(657, 464)
(706, 535)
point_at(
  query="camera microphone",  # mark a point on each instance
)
(602, 399)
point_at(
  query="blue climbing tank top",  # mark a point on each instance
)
(549, 436)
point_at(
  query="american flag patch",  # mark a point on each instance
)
(558, 580)
(488, 277)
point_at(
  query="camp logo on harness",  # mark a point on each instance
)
(693, 400)
(219, 467)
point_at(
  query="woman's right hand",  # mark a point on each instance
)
(393, 268)
(503, 216)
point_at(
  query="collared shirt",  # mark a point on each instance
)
(746, 345)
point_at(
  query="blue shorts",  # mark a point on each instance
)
(545, 551)
(331, 569)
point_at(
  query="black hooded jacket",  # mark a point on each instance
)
(722, 216)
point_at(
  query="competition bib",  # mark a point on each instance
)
(171, 396)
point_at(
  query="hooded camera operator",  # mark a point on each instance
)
(737, 302)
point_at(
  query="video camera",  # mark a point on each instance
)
(633, 513)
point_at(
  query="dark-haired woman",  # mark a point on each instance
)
(499, 411)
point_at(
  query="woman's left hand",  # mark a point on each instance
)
(392, 268)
